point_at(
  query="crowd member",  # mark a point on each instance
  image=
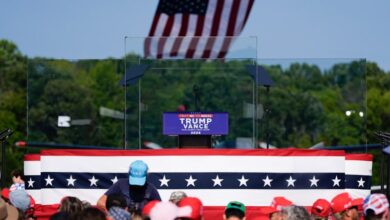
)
(117, 207)
(321, 209)
(92, 213)
(7, 211)
(191, 208)
(234, 211)
(165, 211)
(274, 212)
(116, 213)
(176, 196)
(21, 201)
(148, 208)
(18, 180)
(3, 210)
(5, 194)
(136, 189)
(116, 200)
(72, 206)
(376, 207)
(344, 207)
(60, 216)
(294, 212)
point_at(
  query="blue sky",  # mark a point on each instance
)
(75, 29)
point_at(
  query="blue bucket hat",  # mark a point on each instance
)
(137, 173)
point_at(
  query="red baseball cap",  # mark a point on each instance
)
(196, 207)
(321, 208)
(358, 203)
(344, 201)
(277, 204)
(5, 193)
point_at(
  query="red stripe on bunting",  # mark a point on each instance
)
(364, 157)
(194, 152)
(32, 157)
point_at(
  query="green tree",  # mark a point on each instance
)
(12, 101)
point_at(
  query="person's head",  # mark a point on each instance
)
(294, 212)
(71, 205)
(92, 213)
(344, 207)
(17, 176)
(137, 173)
(376, 207)
(116, 200)
(234, 211)
(20, 200)
(274, 211)
(320, 209)
(176, 196)
(191, 208)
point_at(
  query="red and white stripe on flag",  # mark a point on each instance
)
(32, 167)
(358, 171)
(196, 29)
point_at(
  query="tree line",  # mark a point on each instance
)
(307, 104)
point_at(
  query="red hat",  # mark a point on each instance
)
(277, 204)
(343, 201)
(149, 206)
(5, 193)
(321, 208)
(358, 203)
(196, 207)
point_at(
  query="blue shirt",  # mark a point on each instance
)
(136, 197)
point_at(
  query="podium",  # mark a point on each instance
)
(195, 129)
(194, 141)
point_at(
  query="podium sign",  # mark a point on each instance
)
(199, 123)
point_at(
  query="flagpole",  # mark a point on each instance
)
(125, 111)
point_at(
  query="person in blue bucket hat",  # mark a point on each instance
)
(135, 189)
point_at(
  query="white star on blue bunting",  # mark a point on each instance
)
(49, 181)
(217, 181)
(71, 181)
(290, 182)
(191, 181)
(93, 181)
(164, 181)
(243, 181)
(267, 181)
(30, 183)
(314, 181)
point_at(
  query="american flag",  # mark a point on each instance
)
(253, 177)
(196, 29)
